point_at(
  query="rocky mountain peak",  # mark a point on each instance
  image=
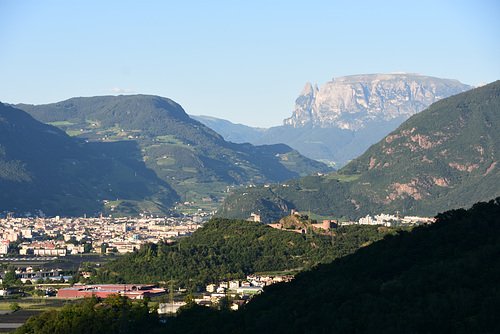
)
(351, 102)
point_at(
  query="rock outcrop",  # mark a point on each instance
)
(352, 102)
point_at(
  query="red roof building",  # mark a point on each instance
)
(134, 291)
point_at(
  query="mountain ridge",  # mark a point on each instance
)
(156, 135)
(348, 102)
(236, 133)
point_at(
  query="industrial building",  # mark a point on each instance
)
(134, 291)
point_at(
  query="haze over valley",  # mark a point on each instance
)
(339, 121)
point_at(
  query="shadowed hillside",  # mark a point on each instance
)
(440, 278)
(44, 171)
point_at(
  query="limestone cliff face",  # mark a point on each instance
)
(353, 101)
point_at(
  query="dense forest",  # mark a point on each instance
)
(225, 249)
(439, 278)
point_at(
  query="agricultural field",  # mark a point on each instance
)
(10, 319)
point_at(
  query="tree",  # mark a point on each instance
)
(39, 292)
(14, 306)
(87, 247)
(189, 300)
(74, 279)
(10, 279)
(117, 301)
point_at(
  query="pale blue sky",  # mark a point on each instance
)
(242, 61)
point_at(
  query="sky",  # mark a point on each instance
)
(243, 61)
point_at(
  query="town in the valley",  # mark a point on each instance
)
(28, 240)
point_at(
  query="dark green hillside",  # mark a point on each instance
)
(43, 170)
(224, 249)
(441, 278)
(444, 157)
(149, 113)
(324, 195)
(194, 160)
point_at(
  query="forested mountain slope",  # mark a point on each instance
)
(445, 157)
(44, 171)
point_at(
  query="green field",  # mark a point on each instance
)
(73, 133)
(60, 123)
(34, 303)
(345, 178)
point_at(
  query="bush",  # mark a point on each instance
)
(14, 307)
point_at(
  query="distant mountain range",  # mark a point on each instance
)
(236, 133)
(442, 158)
(339, 121)
(127, 155)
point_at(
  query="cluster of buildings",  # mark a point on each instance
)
(391, 220)
(240, 292)
(33, 275)
(49, 248)
(382, 219)
(61, 236)
(251, 286)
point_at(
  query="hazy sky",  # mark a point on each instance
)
(242, 61)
